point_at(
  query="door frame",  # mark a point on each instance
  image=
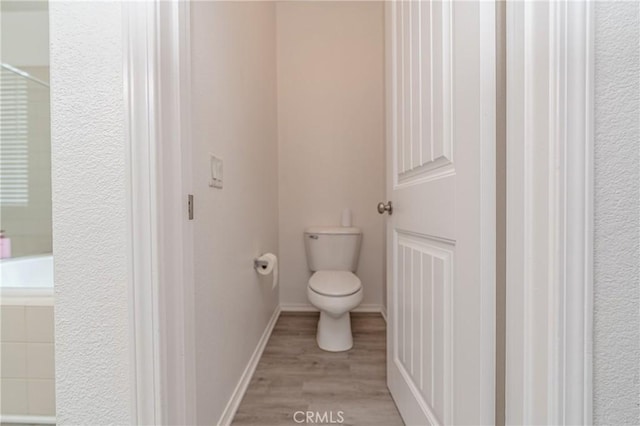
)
(549, 212)
(161, 326)
(157, 70)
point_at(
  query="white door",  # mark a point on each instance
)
(441, 233)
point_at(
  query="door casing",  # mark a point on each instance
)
(549, 292)
(156, 92)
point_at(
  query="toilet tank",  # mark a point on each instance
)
(332, 249)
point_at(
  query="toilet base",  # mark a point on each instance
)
(334, 334)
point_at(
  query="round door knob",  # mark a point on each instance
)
(382, 208)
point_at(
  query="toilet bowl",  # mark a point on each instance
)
(335, 294)
(332, 254)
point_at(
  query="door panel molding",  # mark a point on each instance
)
(549, 212)
(422, 34)
(424, 310)
(441, 236)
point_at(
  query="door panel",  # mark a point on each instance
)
(422, 77)
(422, 304)
(441, 180)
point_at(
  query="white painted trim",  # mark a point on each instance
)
(383, 312)
(157, 68)
(487, 361)
(175, 242)
(573, 217)
(140, 94)
(549, 212)
(238, 393)
(306, 307)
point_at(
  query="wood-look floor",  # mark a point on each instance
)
(295, 375)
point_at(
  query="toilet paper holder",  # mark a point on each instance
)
(257, 263)
(267, 264)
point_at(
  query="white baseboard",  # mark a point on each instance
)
(383, 312)
(306, 307)
(236, 397)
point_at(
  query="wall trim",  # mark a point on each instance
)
(156, 87)
(241, 388)
(549, 212)
(139, 38)
(175, 239)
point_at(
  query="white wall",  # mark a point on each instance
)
(331, 133)
(616, 373)
(234, 117)
(89, 214)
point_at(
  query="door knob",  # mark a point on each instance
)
(382, 207)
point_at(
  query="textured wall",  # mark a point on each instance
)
(89, 213)
(234, 117)
(331, 133)
(616, 372)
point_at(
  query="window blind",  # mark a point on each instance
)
(14, 147)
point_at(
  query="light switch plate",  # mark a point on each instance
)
(215, 164)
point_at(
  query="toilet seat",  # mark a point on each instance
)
(335, 283)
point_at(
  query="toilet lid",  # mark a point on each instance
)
(335, 283)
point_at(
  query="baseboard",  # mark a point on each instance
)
(305, 307)
(234, 402)
(383, 312)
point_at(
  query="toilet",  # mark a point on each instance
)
(332, 256)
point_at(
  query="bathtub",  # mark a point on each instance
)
(27, 340)
(27, 280)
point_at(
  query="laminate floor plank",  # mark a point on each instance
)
(295, 375)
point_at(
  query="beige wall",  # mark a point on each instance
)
(331, 133)
(27, 371)
(234, 117)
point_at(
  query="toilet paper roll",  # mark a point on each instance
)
(346, 218)
(270, 268)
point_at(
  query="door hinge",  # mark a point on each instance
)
(190, 206)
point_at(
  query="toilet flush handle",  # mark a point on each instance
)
(382, 208)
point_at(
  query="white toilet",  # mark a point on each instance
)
(332, 254)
